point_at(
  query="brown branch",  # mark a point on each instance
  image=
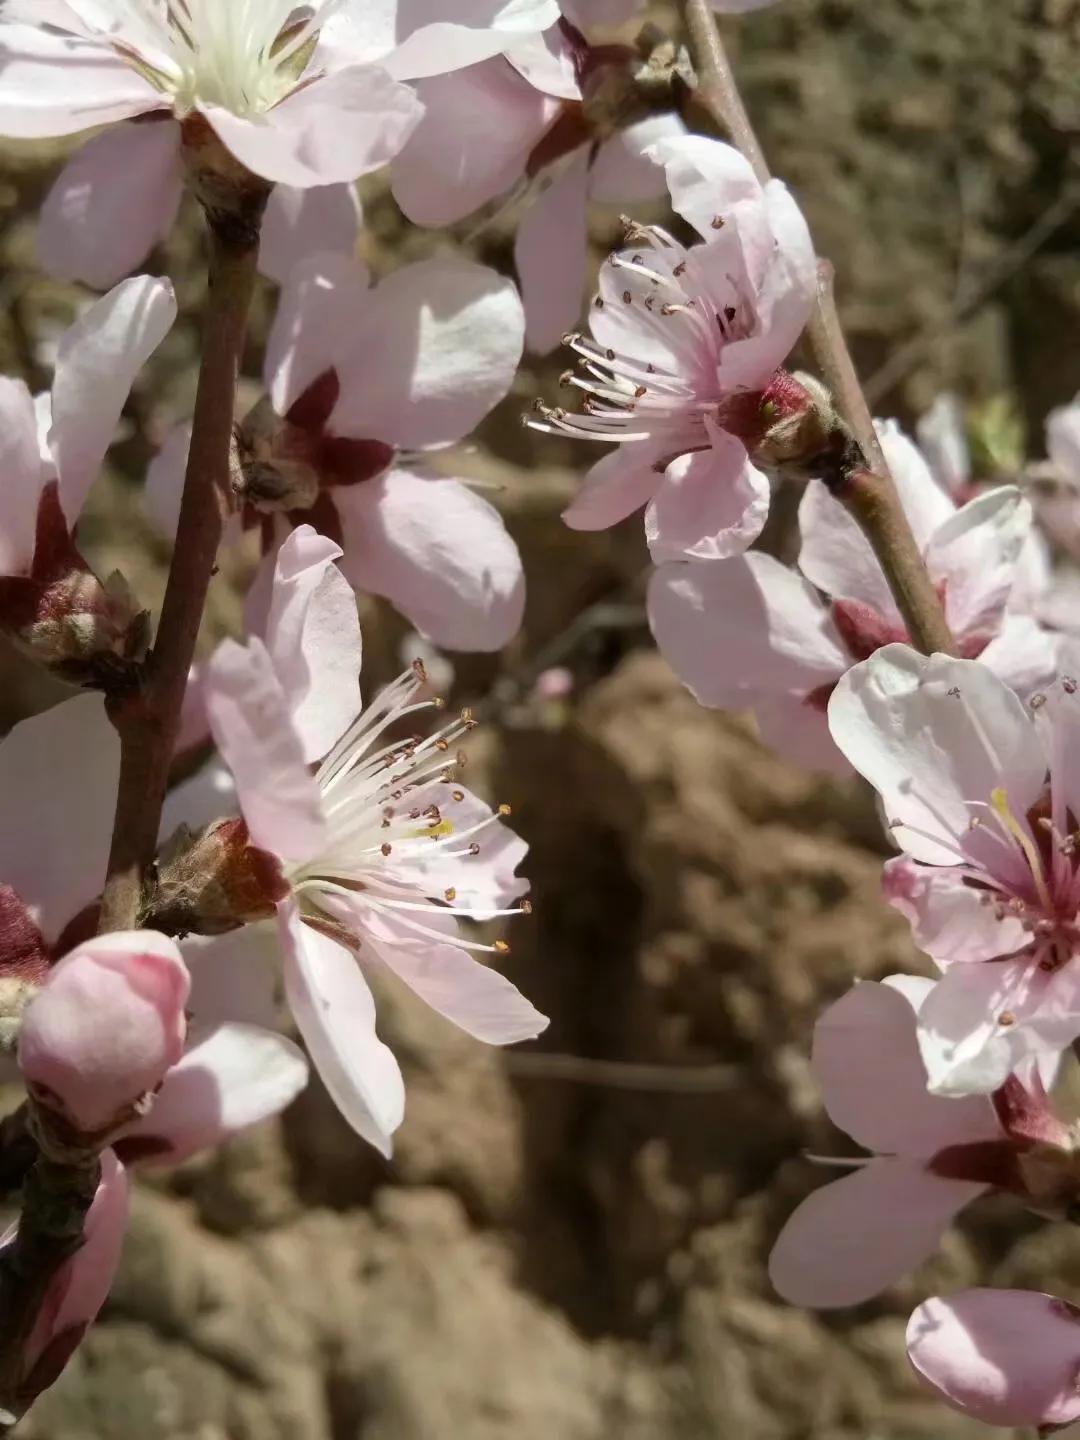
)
(869, 495)
(149, 719)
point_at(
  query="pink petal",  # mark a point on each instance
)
(1005, 1357)
(551, 254)
(105, 1027)
(250, 721)
(549, 62)
(800, 733)
(948, 917)
(324, 301)
(165, 480)
(439, 553)
(237, 1076)
(942, 437)
(80, 1287)
(975, 555)
(926, 505)
(479, 128)
(746, 628)
(23, 477)
(705, 178)
(474, 997)
(931, 735)
(333, 1008)
(312, 633)
(873, 1081)
(1023, 655)
(115, 200)
(836, 556)
(59, 773)
(436, 348)
(234, 977)
(299, 223)
(857, 1236)
(99, 358)
(622, 482)
(428, 44)
(623, 172)
(329, 132)
(53, 84)
(965, 1047)
(712, 504)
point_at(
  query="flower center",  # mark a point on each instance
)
(244, 55)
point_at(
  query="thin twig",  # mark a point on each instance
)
(148, 721)
(622, 1074)
(871, 498)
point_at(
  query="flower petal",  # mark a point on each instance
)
(745, 628)
(299, 223)
(320, 308)
(711, 504)
(58, 773)
(24, 477)
(873, 1081)
(335, 1013)
(236, 1076)
(251, 724)
(479, 128)
(623, 481)
(54, 84)
(975, 555)
(1005, 1357)
(474, 997)
(330, 132)
(623, 171)
(439, 553)
(436, 347)
(855, 1237)
(705, 177)
(312, 633)
(934, 735)
(551, 252)
(97, 363)
(115, 200)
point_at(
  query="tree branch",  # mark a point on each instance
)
(869, 495)
(148, 719)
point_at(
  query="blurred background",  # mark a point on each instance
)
(570, 1243)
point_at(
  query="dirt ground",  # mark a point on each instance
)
(570, 1242)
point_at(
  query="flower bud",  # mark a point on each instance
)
(215, 880)
(91, 632)
(103, 1030)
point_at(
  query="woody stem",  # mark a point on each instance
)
(867, 491)
(148, 720)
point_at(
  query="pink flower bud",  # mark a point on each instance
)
(105, 1027)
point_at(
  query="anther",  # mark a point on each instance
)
(640, 391)
(627, 297)
(1006, 1018)
(450, 895)
(566, 378)
(419, 671)
(442, 744)
(680, 269)
(386, 847)
(954, 693)
(526, 907)
(458, 795)
(609, 354)
(468, 719)
(717, 222)
(504, 810)
(502, 947)
(1037, 701)
(1068, 684)
(474, 848)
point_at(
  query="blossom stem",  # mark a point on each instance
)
(148, 720)
(56, 1197)
(868, 494)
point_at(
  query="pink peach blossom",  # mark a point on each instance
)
(519, 124)
(382, 852)
(684, 343)
(360, 381)
(109, 1021)
(978, 790)
(1005, 1357)
(931, 1155)
(751, 633)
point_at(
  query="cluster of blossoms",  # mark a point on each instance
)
(328, 839)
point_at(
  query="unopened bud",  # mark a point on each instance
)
(101, 1032)
(791, 427)
(89, 632)
(215, 881)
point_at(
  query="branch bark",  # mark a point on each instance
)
(869, 495)
(148, 719)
